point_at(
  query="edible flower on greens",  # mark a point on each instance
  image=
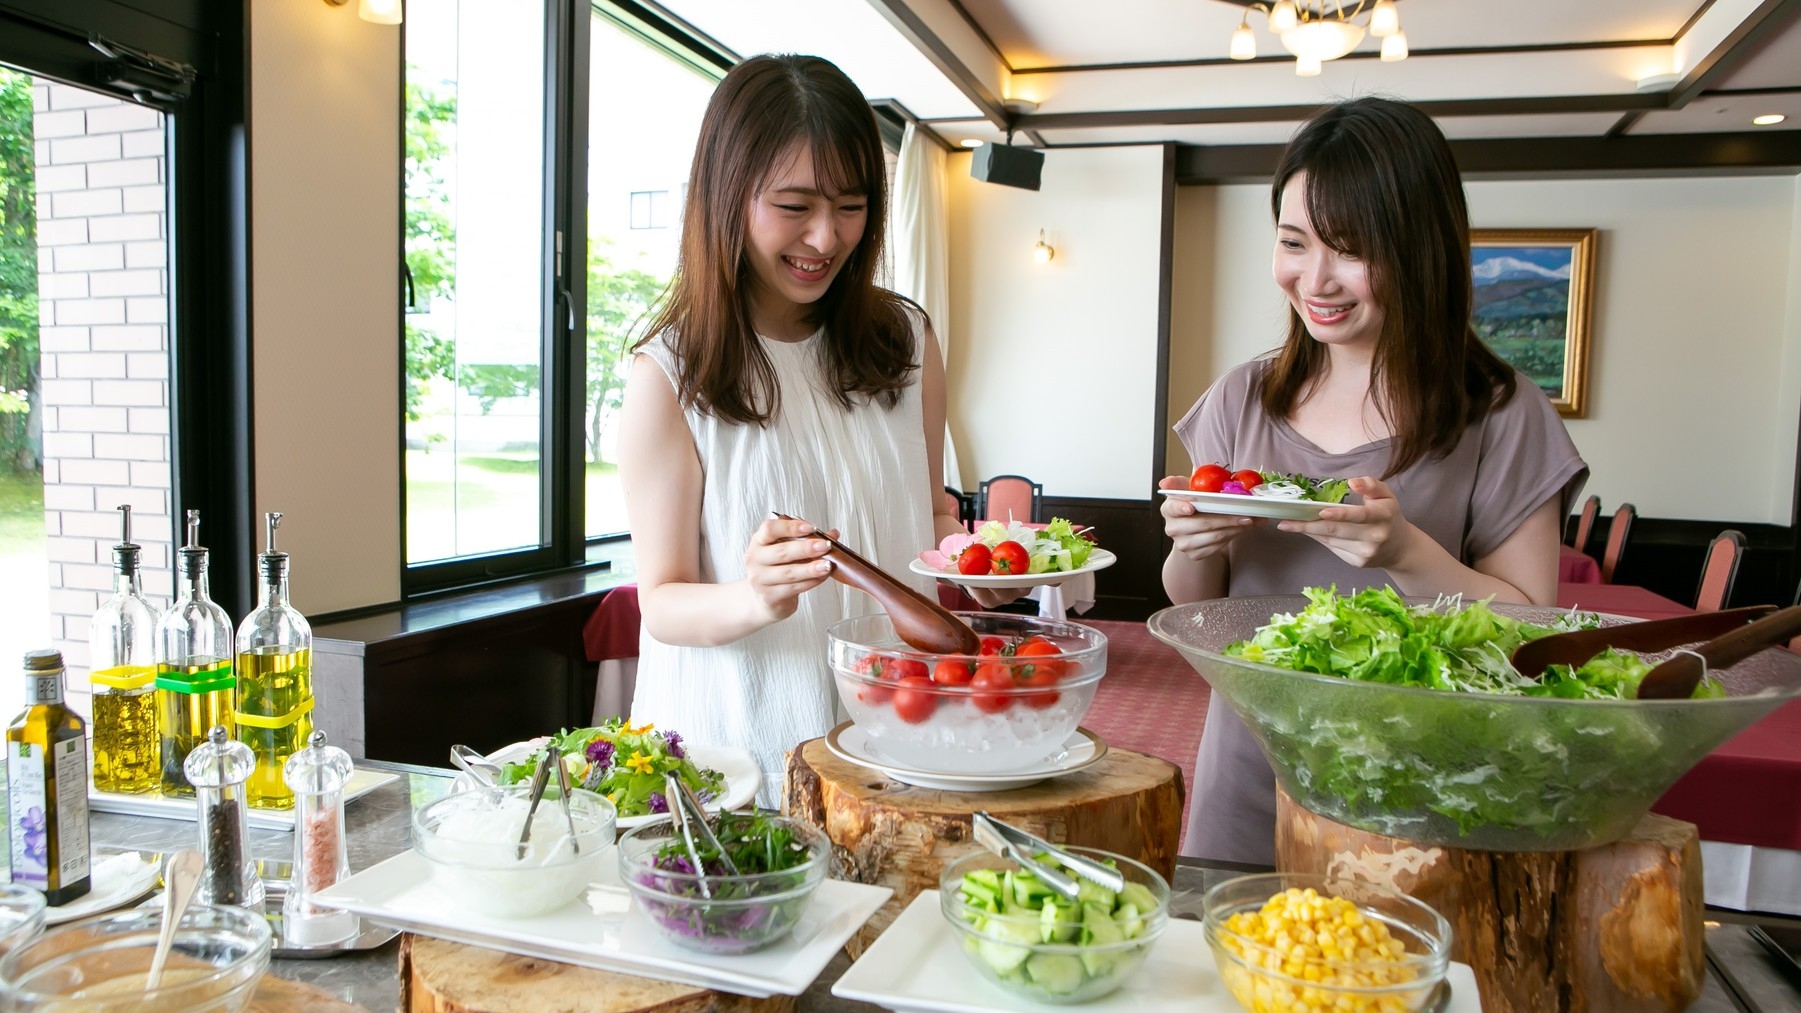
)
(1054, 547)
(624, 762)
(769, 857)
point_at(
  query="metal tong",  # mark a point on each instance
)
(1730, 636)
(690, 819)
(556, 760)
(540, 778)
(1012, 842)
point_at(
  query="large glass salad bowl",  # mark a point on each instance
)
(1467, 770)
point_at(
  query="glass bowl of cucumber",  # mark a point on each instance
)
(1034, 944)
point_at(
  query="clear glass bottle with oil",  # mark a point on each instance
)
(47, 786)
(275, 680)
(194, 681)
(122, 674)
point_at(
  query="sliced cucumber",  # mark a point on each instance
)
(1059, 974)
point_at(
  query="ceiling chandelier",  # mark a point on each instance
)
(1316, 31)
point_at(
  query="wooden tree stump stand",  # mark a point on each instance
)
(1612, 928)
(896, 835)
(437, 976)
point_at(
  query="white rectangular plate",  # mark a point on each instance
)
(361, 783)
(604, 932)
(917, 966)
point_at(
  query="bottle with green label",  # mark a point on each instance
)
(275, 680)
(122, 674)
(194, 685)
(47, 786)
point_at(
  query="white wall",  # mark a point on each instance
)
(1696, 348)
(1053, 366)
(325, 212)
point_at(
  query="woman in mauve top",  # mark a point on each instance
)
(1463, 469)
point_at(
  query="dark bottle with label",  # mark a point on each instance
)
(47, 786)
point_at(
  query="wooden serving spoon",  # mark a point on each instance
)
(1676, 678)
(921, 622)
(1532, 657)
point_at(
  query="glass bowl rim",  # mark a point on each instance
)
(1437, 959)
(424, 838)
(1094, 640)
(950, 900)
(259, 935)
(819, 850)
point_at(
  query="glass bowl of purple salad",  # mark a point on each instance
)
(780, 863)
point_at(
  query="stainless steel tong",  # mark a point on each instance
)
(540, 778)
(690, 818)
(1012, 842)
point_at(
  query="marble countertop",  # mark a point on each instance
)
(379, 827)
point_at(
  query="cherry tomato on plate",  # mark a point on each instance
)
(953, 673)
(991, 682)
(1011, 557)
(914, 700)
(975, 560)
(1248, 478)
(1209, 478)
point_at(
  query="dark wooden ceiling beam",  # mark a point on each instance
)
(1522, 106)
(1769, 17)
(944, 58)
(1760, 153)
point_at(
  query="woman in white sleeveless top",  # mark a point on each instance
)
(776, 377)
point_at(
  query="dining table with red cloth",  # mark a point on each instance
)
(610, 637)
(1574, 567)
(1619, 600)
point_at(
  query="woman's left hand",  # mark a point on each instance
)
(1370, 534)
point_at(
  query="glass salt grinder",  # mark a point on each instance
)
(218, 769)
(317, 775)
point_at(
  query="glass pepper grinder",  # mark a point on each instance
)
(194, 683)
(122, 673)
(317, 776)
(218, 769)
(275, 679)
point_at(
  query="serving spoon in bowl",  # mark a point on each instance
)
(1730, 636)
(921, 622)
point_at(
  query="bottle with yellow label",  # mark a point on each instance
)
(194, 683)
(275, 680)
(122, 673)
(47, 786)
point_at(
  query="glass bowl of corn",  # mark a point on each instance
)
(1294, 941)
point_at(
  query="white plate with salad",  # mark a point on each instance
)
(1014, 555)
(1238, 504)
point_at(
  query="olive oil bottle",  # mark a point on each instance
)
(47, 786)
(194, 681)
(275, 680)
(122, 660)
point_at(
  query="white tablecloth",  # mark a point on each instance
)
(1745, 878)
(1054, 602)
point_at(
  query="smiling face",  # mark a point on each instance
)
(1331, 291)
(797, 239)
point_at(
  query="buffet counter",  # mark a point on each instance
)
(378, 827)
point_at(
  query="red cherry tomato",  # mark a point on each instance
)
(906, 668)
(953, 673)
(1247, 478)
(1040, 651)
(875, 666)
(1011, 557)
(992, 646)
(914, 700)
(1209, 478)
(974, 560)
(991, 684)
(1041, 674)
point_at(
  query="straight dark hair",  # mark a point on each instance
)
(760, 113)
(1382, 186)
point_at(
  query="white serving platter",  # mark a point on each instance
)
(742, 776)
(1098, 559)
(1231, 505)
(362, 782)
(918, 966)
(114, 880)
(604, 930)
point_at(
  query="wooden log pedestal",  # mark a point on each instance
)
(1608, 929)
(437, 976)
(896, 835)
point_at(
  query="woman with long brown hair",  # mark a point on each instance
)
(776, 377)
(1463, 469)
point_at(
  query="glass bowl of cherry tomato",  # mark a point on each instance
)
(1001, 710)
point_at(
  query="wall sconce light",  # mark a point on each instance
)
(1043, 252)
(380, 12)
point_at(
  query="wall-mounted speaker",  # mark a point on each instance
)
(1007, 165)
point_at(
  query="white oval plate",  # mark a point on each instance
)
(742, 775)
(115, 880)
(852, 745)
(1232, 505)
(1098, 559)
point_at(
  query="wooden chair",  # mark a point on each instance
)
(959, 505)
(1617, 533)
(1009, 496)
(1585, 523)
(1719, 571)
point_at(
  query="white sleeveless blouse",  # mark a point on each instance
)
(862, 471)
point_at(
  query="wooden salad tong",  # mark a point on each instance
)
(921, 622)
(1730, 636)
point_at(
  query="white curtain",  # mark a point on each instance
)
(920, 224)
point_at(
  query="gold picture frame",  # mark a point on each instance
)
(1534, 302)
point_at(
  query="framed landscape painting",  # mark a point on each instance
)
(1534, 298)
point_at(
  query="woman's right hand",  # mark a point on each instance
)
(782, 563)
(1198, 536)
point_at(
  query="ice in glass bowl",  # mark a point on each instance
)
(471, 841)
(98, 965)
(967, 729)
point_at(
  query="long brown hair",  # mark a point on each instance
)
(764, 107)
(1383, 186)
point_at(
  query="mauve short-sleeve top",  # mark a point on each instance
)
(1505, 466)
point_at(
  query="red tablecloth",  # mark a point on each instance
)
(1576, 567)
(1748, 791)
(1619, 599)
(611, 632)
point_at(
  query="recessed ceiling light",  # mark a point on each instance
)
(1768, 119)
(972, 142)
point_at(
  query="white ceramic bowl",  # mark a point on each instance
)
(471, 841)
